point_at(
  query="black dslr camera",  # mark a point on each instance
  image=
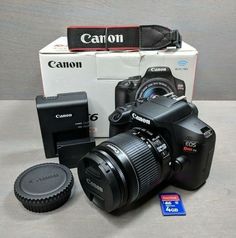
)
(162, 139)
(157, 81)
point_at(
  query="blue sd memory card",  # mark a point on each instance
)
(171, 204)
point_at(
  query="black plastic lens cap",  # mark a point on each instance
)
(99, 182)
(44, 187)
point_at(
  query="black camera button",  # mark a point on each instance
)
(116, 116)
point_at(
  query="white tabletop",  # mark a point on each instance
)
(211, 211)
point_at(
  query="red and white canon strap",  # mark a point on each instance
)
(146, 37)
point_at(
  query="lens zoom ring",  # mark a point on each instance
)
(147, 168)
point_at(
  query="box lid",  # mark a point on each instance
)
(60, 46)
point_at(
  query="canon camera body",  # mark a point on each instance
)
(152, 140)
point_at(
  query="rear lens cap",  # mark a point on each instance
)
(44, 187)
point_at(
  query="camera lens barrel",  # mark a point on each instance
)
(124, 168)
(146, 168)
(155, 87)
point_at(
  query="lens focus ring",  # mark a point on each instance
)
(146, 166)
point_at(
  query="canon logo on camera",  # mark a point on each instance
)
(95, 39)
(141, 119)
(65, 64)
(59, 116)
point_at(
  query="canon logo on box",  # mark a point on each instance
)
(58, 64)
(159, 69)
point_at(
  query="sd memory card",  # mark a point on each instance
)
(171, 204)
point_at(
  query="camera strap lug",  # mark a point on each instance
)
(175, 38)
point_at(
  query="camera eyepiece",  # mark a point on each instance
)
(124, 168)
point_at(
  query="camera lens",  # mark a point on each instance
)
(124, 168)
(155, 87)
(153, 92)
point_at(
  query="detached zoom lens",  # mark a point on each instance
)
(124, 168)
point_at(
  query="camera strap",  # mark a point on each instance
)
(117, 38)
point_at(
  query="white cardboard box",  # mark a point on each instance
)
(98, 73)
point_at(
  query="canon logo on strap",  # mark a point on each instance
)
(141, 119)
(95, 39)
(59, 116)
(58, 64)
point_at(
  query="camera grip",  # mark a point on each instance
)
(125, 91)
(121, 96)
